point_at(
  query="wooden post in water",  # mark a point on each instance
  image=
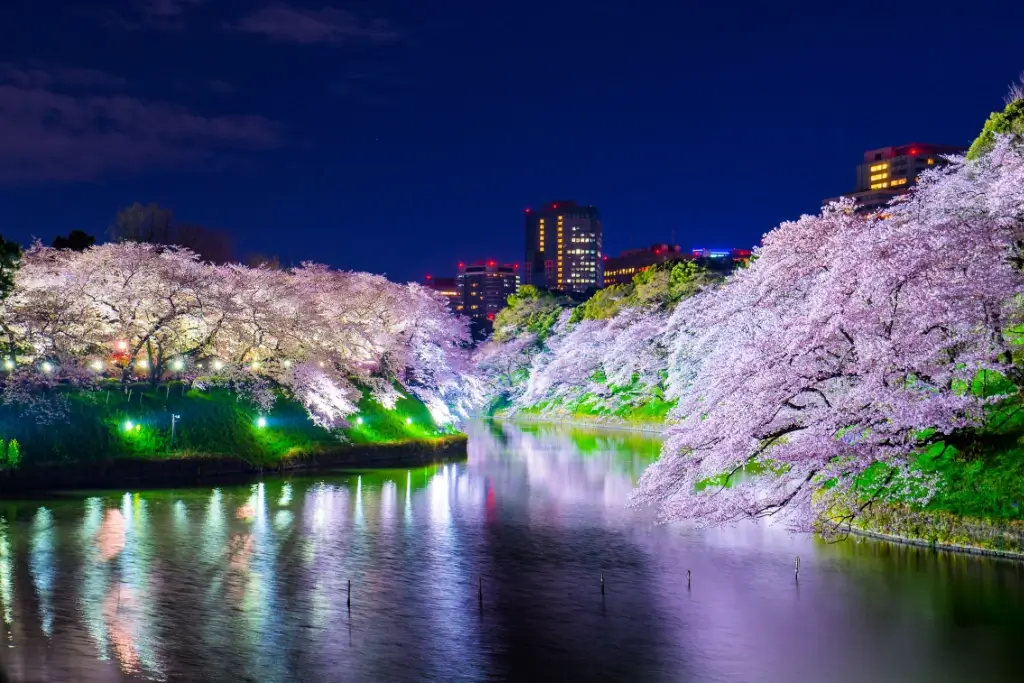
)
(348, 602)
(687, 578)
(480, 591)
(602, 583)
(796, 568)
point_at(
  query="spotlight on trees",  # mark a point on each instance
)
(359, 420)
(408, 420)
(261, 422)
(129, 425)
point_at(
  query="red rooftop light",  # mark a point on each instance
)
(527, 211)
(430, 277)
(913, 151)
(491, 263)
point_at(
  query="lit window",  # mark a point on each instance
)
(879, 186)
(879, 167)
(898, 181)
(931, 161)
(879, 176)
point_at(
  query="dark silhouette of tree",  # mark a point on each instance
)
(154, 224)
(10, 259)
(76, 240)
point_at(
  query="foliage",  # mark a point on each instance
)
(659, 286)
(137, 311)
(112, 423)
(531, 311)
(1006, 123)
(838, 366)
(10, 259)
(76, 240)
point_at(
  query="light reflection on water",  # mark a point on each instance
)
(250, 583)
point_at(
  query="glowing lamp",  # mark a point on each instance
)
(177, 365)
(255, 365)
(408, 420)
(287, 363)
(9, 364)
(121, 345)
(261, 422)
(913, 151)
(97, 365)
(218, 365)
(46, 367)
(359, 420)
(129, 425)
(143, 363)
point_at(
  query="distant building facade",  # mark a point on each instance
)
(623, 268)
(484, 288)
(888, 172)
(447, 287)
(564, 247)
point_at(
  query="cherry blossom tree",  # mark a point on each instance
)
(849, 342)
(319, 334)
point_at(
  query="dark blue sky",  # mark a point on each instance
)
(404, 136)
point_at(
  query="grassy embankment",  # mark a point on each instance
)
(114, 424)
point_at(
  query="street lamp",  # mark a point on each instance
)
(261, 422)
(177, 365)
(174, 421)
(9, 364)
(218, 364)
(46, 367)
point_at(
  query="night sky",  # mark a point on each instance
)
(404, 136)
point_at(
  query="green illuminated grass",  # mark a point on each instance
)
(212, 423)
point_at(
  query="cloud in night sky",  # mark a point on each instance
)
(50, 130)
(166, 8)
(326, 26)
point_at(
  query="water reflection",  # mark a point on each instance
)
(485, 570)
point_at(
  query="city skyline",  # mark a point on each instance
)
(342, 131)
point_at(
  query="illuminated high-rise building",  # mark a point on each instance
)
(447, 287)
(563, 247)
(484, 288)
(889, 172)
